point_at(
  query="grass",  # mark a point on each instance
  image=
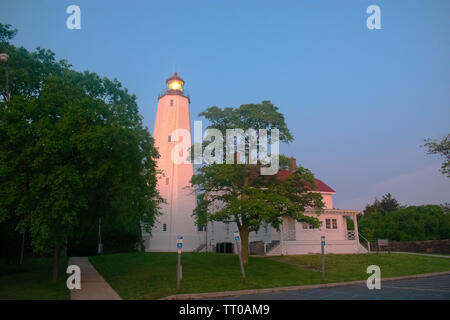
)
(33, 280)
(153, 275)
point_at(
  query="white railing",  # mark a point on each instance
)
(367, 241)
(351, 235)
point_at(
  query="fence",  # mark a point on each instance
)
(427, 246)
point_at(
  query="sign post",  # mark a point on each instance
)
(238, 246)
(179, 247)
(322, 244)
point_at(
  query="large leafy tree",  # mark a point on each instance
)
(72, 149)
(411, 223)
(441, 147)
(238, 192)
(385, 205)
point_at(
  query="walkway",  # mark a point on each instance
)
(93, 286)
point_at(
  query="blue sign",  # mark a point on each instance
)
(179, 242)
(236, 235)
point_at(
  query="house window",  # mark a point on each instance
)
(167, 180)
(170, 138)
(201, 228)
(171, 102)
(328, 223)
(334, 221)
(164, 227)
(307, 226)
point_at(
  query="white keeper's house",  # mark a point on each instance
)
(292, 238)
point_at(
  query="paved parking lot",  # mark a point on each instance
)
(429, 288)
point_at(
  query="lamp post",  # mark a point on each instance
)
(100, 244)
(4, 58)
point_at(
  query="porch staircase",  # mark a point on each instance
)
(200, 247)
(272, 247)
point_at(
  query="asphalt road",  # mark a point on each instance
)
(429, 288)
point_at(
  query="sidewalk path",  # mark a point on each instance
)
(93, 286)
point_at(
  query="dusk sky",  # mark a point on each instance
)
(359, 102)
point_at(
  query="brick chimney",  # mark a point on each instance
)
(292, 164)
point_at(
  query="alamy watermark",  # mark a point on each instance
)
(374, 281)
(74, 280)
(241, 147)
(74, 20)
(373, 22)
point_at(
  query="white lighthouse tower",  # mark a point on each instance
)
(177, 219)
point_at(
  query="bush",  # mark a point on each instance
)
(412, 223)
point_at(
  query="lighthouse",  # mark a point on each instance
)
(174, 182)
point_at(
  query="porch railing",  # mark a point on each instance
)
(351, 235)
(367, 242)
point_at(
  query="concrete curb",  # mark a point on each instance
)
(208, 295)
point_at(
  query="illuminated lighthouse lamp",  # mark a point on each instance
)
(175, 83)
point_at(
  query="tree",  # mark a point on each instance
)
(386, 205)
(6, 33)
(72, 149)
(239, 193)
(441, 147)
(413, 223)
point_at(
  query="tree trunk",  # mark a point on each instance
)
(22, 249)
(243, 230)
(141, 241)
(244, 244)
(56, 262)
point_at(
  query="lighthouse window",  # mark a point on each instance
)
(171, 102)
(164, 227)
(167, 180)
(334, 223)
(170, 138)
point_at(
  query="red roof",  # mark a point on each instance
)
(320, 186)
(174, 77)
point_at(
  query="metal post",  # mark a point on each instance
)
(240, 262)
(238, 246)
(323, 256)
(4, 58)
(100, 244)
(7, 84)
(179, 269)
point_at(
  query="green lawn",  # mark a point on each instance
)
(153, 275)
(33, 280)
